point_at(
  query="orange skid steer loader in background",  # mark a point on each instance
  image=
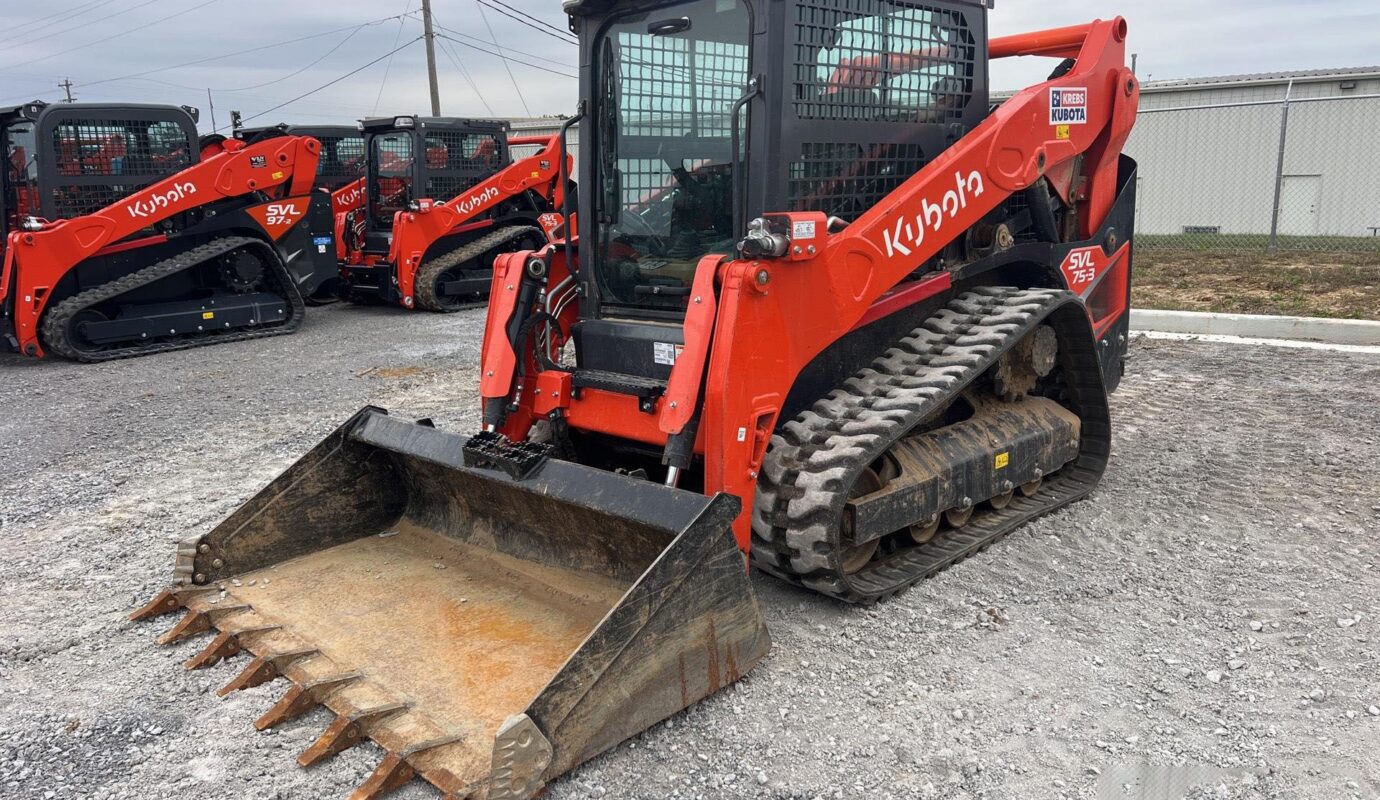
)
(124, 235)
(843, 319)
(442, 198)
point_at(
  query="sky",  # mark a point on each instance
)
(143, 51)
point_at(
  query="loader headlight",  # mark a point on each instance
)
(32, 224)
(404, 122)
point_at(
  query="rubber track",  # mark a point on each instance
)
(424, 283)
(814, 460)
(56, 321)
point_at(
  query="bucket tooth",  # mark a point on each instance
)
(340, 735)
(396, 770)
(222, 647)
(345, 732)
(226, 644)
(192, 623)
(301, 698)
(392, 774)
(258, 671)
(262, 669)
(166, 602)
(198, 621)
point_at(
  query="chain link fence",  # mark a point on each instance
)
(1294, 173)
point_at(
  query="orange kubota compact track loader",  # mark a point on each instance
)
(442, 198)
(124, 235)
(827, 310)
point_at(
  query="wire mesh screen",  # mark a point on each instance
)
(444, 187)
(878, 60)
(342, 161)
(846, 179)
(678, 87)
(669, 88)
(1255, 176)
(99, 162)
(456, 161)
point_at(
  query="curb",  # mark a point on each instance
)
(1254, 326)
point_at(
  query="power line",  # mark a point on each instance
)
(460, 65)
(67, 13)
(333, 82)
(318, 60)
(506, 58)
(529, 23)
(26, 40)
(509, 49)
(238, 52)
(388, 68)
(120, 34)
(164, 83)
(506, 65)
(490, 4)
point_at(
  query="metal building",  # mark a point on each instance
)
(1288, 155)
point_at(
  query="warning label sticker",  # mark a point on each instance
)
(666, 353)
(1068, 106)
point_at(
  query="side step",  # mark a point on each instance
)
(646, 390)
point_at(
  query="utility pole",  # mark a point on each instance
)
(430, 36)
(67, 87)
(1134, 58)
(212, 104)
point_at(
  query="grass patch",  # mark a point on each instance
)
(1343, 285)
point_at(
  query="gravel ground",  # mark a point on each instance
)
(1207, 625)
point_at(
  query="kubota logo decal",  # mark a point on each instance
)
(908, 233)
(155, 203)
(347, 200)
(474, 201)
